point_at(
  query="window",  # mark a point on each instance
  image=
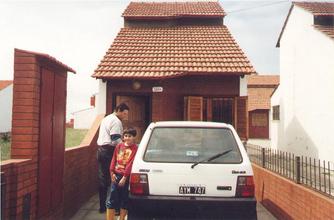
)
(276, 112)
(188, 145)
(259, 119)
(198, 108)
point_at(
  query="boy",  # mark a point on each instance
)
(120, 169)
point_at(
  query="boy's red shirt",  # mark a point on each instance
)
(122, 159)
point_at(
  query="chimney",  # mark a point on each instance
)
(92, 101)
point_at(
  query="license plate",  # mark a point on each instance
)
(198, 190)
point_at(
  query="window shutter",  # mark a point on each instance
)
(242, 117)
(194, 108)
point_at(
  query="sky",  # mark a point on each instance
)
(79, 32)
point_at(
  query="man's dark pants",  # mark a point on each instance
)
(104, 156)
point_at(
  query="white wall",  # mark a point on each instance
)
(84, 119)
(275, 130)
(101, 99)
(243, 86)
(306, 89)
(6, 103)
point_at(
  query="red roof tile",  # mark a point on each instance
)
(317, 8)
(158, 52)
(260, 89)
(328, 30)
(173, 9)
(49, 58)
(5, 83)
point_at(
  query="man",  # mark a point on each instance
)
(111, 129)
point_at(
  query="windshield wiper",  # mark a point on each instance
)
(211, 158)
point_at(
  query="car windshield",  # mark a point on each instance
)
(189, 145)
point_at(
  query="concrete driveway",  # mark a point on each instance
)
(89, 211)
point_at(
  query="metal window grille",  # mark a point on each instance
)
(276, 112)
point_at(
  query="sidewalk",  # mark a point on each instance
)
(260, 142)
(89, 211)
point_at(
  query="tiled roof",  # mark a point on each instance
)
(49, 58)
(173, 9)
(317, 8)
(262, 80)
(328, 30)
(260, 89)
(5, 83)
(159, 52)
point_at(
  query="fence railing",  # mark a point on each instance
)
(311, 172)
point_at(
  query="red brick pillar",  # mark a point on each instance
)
(26, 96)
(25, 126)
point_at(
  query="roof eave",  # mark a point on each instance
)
(176, 75)
(48, 58)
(284, 25)
(174, 17)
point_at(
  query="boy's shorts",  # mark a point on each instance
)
(118, 197)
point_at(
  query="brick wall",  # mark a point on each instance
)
(19, 181)
(26, 102)
(80, 179)
(288, 200)
(80, 171)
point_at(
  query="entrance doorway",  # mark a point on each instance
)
(139, 114)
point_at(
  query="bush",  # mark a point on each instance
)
(5, 137)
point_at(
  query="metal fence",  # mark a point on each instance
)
(311, 172)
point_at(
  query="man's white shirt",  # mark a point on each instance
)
(110, 125)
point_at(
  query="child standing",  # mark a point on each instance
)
(120, 169)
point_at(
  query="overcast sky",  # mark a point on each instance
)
(78, 33)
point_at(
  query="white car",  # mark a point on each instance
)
(186, 169)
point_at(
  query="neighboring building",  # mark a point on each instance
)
(83, 119)
(6, 103)
(303, 105)
(260, 89)
(176, 61)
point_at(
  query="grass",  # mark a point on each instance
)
(73, 138)
(5, 149)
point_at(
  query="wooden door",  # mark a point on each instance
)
(45, 143)
(52, 141)
(241, 116)
(58, 141)
(139, 113)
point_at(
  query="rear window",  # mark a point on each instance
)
(189, 145)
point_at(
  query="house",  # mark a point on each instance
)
(6, 100)
(260, 89)
(303, 104)
(84, 118)
(175, 61)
